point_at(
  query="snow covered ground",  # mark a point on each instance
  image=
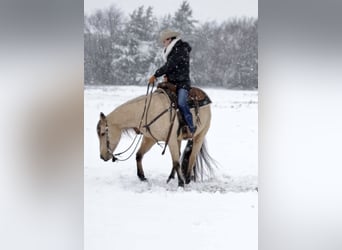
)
(120, 212)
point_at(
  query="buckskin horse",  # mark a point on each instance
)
(154, 116)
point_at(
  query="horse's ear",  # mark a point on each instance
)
(102, 116)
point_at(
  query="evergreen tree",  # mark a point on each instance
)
(98, 48)
(127, 51)
(183, 20)
(202, 58)
(140, 32)
(117, 43)
(102, 45)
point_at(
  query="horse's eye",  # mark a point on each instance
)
(103, 134)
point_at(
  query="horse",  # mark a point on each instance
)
(153, 116)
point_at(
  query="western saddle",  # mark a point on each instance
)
(196, 98)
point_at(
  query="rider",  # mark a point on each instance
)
(176, 53)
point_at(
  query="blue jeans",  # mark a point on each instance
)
(184, 108)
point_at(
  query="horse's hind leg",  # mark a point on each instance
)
(185, 157)
(177, 168)
(196, 147)
(146, 144)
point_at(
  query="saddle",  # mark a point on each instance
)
(196, 98)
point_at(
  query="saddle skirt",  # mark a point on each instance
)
(196, 97)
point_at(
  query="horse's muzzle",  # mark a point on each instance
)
(104, 158)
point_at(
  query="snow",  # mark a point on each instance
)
(120, 212)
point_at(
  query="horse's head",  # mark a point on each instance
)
(108, 137)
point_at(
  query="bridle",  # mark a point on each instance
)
(110, 151)
(107, 138)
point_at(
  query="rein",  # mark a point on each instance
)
(117, 154)
(136, 145)
(172, 119)
(146, 109)
(146, 126)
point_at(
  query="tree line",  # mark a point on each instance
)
(121, 50)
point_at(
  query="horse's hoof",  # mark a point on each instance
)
(180, 184)
(187, 180)
(142, 178)
(169, 179)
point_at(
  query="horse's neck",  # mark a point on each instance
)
(128, 115)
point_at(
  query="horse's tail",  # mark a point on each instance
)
(205, 164)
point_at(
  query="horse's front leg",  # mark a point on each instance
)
(175, 153)
(173, 171)
(146, 144)
(172, 175)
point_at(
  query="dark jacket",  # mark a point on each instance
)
(177, 66)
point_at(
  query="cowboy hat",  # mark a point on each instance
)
(165, 34)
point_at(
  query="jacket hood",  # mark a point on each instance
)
(187, 46)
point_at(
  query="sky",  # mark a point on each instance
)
(203, 10)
